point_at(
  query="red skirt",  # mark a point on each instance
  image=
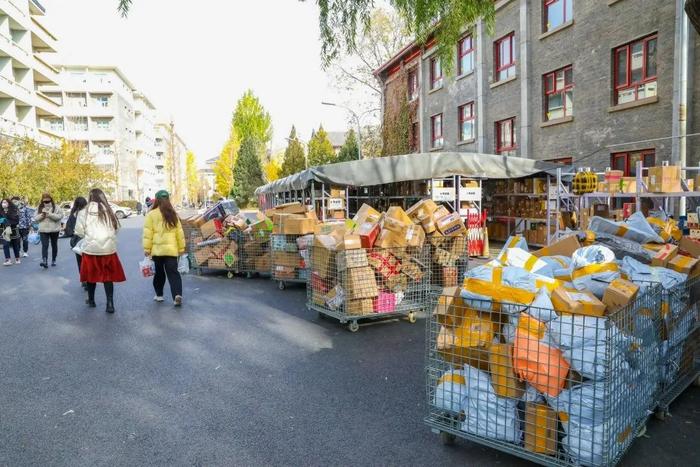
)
(102, 269)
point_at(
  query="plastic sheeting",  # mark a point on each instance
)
(636, 228)
(642, 273)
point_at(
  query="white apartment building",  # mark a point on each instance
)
(149, 170)
(170, 156)
(23, 41)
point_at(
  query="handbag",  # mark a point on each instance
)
(34, 238)
(79, 247)
(183, 264)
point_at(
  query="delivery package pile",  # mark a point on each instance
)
(208, 242)
(293, 226)
(383, 262)
(559, 351)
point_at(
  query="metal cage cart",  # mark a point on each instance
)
(215, 254)
(290, 258)
(449, 260)
(556, 389)
(368, 284)
(254, 252)
(680, 350)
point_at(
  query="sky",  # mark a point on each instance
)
(194, 59)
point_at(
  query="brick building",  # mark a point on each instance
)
(599, 83)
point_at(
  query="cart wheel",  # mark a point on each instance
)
(230, 275)
(281, 285)
(353, 326)
(411, 317)
(660, 414)
(448, 439)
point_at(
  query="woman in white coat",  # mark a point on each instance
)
(98, 226)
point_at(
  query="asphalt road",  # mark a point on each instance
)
(243, 374)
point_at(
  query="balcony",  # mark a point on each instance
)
(11, 88)
(46, 106)
(43, 72)
(13, 11)
(102, 134)
(104, 158)
(14, 50)
(42, 39)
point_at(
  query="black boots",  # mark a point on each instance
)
(91, 295)
(44, 263)
(110, 306)
(109, 291)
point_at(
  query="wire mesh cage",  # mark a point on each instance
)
(219, 252)
(290, 257)
(368, 284)
(254, 252)
(680, 334)
(449, 260)
(551, 387)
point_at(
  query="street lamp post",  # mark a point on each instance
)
(357, 121)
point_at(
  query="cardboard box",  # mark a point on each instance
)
(263, 263)
(428, 225)
(360, 283)
(347, 242)
(202, 255)
(690, 247)
(384, 263)
(444, 257)
(327, 228)
(665, 179)
(395, 213)
(601, 210)
(264, 225)
(365, 214)
(450, 308)
(468, 343)
(338, 214)
(439, 213)
(564, 247)
(541, 424)
(415, 236)
(368, 232)
(287, 259)
(287, 208)
(448, 276)
(577, 302)
(389, 239)
(292, 224)
(619, 294)
(685, 264)
(323, 254)
(664, 255)
(283, 272)
(351, 259)
(503, 379)
(694, 233)
(209, 228)
(451, 225)
(423, 209)
(359, 307)
(216, 263)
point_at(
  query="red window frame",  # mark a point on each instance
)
(547, 4)
(412, 83)
(550, 88)
(435, 136)
(462, 52)
(415, 137)
(498, 66)
(648, 160)
(627, 50)
(499, 130)
(461, 118)
(434, 77)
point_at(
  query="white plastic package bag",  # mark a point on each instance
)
(636, 228)
(593, 268)
(146, 265)
(514, 241)
(642, 274)
(451, 391)
(183, 264)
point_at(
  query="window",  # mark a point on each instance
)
(435, 73)
(627, 161)
(415, 137)
(104, 149)
(436, 131)
(102, 123)
(466, 121)
(465, 50)
(77, 123)
(504, 57)
(505, 137)
(102, 101)
(55, 124)
(556, 13)
(559, 94)
(76, 99)
(412, 84)
(634, 67)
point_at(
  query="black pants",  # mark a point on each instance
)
(167, 266)
(45, 237)
(24, 235)
(14, 243)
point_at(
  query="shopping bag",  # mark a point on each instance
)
(147, 266)
(79, 247)
(34, 238)
(183, 264)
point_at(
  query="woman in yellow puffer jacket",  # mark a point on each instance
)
(164, 242)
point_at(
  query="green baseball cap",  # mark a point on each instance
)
(162, 194)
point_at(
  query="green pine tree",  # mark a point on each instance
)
(350, 150)
(248, 174)
(293, 156)
(321, 149)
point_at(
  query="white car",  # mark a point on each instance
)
(122, 212)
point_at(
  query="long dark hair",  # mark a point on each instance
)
(41, 202)
(167, 211)
(11, 211)
(104, 212)
(78, 205)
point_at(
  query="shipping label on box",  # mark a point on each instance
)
(664, 255)
(451, 225)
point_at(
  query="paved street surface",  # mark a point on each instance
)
(242, 375)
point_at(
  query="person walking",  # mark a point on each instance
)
(98, 226)
(164, 241)
(69, 232)
(9, 225)
(49, 216)
(25, 224)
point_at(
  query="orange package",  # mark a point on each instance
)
(535, 361)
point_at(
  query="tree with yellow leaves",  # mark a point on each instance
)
(193, 182)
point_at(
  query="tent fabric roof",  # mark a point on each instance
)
(425, 166)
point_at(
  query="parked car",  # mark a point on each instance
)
(122, 212)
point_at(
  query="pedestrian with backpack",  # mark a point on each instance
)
(164, 241)
(78, 205)
(98, 226)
